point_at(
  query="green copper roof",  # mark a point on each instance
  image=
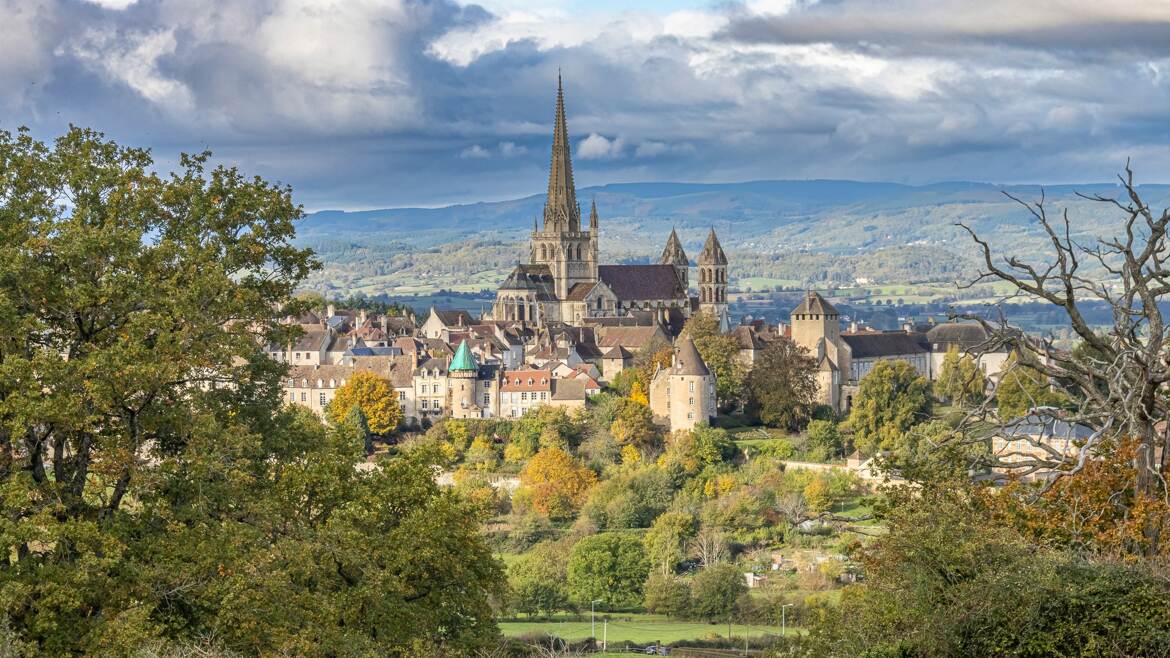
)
(463, 359)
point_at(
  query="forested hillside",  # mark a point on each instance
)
(785, 232)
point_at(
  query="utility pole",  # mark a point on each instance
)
(605, 634)
(784, 618)
(593, 618)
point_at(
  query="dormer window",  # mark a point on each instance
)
(304, 383)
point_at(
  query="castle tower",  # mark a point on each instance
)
(673, 254)
(683, 395)
(462, 375)
(569, 252)
(713, 281)
(816, 326)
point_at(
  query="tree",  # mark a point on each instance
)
(556, 484)
(637, 394)
(710, 545)
(961, 381)
(1023, 388)
(667, 538)
(634, 425)
(154, 488)
(356, 419)
(376, 397)
(721, 354)
(715, 590)
(667, 594)
(783, 384)
(824, 438)
(890, 399)
(1118, 379)
(538, 578)
(611, 567)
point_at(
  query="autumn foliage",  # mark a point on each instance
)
(555, 484)
(374, 395)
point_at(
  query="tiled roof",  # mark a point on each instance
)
(312, 340)
(630, 337)
(578, 292)
(687, 360)
(642, 282)
(541, 380)
(568, 389)
(747, 338)
(454, 318)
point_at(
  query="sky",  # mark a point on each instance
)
(383, 103)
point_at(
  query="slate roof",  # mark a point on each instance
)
(1040, 426)
(454, 318)
(432, 365)
(312, 340)
(877, 344)
(568, 389)
(642, 282)
(373, 351)
(747, 338)
(534, 278)
(687, 360)
(617, 352)
(636, 337)
(965, 335)
(813, 303)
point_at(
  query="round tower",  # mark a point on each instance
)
(462, 374)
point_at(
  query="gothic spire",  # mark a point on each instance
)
(561, 212)
(712, 253)
(673, 254)
(593, 216)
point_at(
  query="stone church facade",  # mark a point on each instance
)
(563, 280)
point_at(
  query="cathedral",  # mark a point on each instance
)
(564, 282)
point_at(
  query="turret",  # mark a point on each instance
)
(713, 280)
(462, 374)
(673, 254)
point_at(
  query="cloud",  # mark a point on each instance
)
(361, 103)
(597, 147)
(653, 149)
(511, 149)
(475, 151)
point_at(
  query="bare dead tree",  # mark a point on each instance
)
(1117, 380)
(710, 545)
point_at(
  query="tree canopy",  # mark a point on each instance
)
(154, 488)
(890, 399)
(782, 383)
(376, 398)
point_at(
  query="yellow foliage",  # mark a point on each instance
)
(719, 485)
(374, 395)
(637, 394)
(556, 483)
(631, 455)
(515, 452)
(817, 494)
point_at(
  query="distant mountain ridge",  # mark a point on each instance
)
(796, 231)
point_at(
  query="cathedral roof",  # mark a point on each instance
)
(642, 282)
(687, 360)
(561, 212)
(536, 278)
(578, 292)
(712, 253)
(673, 254)
(813, 303)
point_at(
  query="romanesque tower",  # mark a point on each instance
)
(569, 252)
(461, 375)
(673, 254)
(713, 281)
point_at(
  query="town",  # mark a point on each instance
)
(544, 329)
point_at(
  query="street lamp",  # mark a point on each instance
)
(593, 618)
(784, 618)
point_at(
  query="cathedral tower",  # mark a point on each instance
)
(673, 254)
(569, 252)
(713, 281)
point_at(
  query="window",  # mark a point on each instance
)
(487, 399)
(304, 383)
(690, 415)
(292, 397)
(691, 402)
(332, 383)
(692, 387)
(426, 404)
(524, 396)
(321, 399)
(401, 395)
(530, 381)
(291, 382)
(487, 384)
(543, 395)
(304, 396)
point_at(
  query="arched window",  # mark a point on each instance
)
(578, 252)
(543, 253)
(304, 383)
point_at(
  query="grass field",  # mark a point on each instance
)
(637, 628)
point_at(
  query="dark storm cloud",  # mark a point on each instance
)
(361, 103)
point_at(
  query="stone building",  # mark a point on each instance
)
(816, 326)
(683, 395)
(563, 280)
